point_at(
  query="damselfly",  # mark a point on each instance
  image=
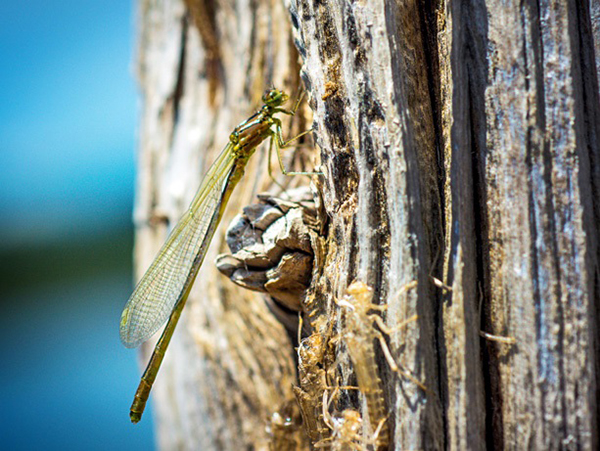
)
(164, 289)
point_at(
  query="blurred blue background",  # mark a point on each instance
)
(67, 144)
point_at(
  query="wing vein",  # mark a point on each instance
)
(159, 290)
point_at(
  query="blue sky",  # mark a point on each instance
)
(67, 115)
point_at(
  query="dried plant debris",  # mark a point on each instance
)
(329, 410)
(347, 432)
(316, 356)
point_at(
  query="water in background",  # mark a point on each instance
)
(67, 140)
(66, 382)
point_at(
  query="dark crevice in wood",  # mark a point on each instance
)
(306, 11)
(365, 142)
(329, 47)
(373, 112)
(591, 118)
(588, 124)
(428, 11)
(349, 27)
(429, 33)
(442, 366)
(596, 342)
(476, 69)
(204, 13)
(379, 223)
(344, 174)
(178, 92)
(294, 18)
(489, 354)
(334, 121)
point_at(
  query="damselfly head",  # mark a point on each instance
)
(274, 97)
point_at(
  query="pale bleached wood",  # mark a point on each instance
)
(230, 365)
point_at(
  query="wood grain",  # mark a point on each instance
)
(458, 140)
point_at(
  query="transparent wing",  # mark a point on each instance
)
(157, 293)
